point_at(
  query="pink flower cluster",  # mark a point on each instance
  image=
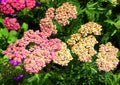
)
(11, 23)
(38, 55)
(8, 6)
(46, 24)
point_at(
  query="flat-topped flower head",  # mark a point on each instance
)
(107, 57)
(64, 56)
(64, 12)
(90, 28)
(50, 13)
(85, 48)
(11, 23)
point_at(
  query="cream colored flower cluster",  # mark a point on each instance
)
(89, 28)
(85, 48)
(107, 59)
(82, 43)
(64, 56)
(64, 12)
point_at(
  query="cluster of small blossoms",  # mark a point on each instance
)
(64, 12)
(50, 13)
(89, 28)
(107, 57)
(82, 43)
(64, 56)
(11, 23)
(8, 6)
(74, 39)
(85, 48)
(37, 56)
(46, 24)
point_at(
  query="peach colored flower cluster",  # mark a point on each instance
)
(39, 54)
(64, 12)
(85, 48)
(46, 24)
(82, 43)
(107, 57)
(11, 23)
(8, 6)
(89, 28)
(50, 13)
(64, 56)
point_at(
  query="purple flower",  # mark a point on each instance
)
(38, 3)
(14, 62)
(20, 76)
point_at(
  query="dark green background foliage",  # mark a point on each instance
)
(103, 12)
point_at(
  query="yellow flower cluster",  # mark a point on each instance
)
(107, 59)
(89, 28)
(82, 43)
(64, 56)
(64, 12)
(85, 48)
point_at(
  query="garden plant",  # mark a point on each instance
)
(59, 42)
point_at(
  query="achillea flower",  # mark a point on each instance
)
(42, 52)
(50, 13)
(11, 23)
(85, 48)
(47, 26)
(18, 4)
(107, 57)
(30, 3)
(89, 28)
(6, 8)
(35, 61)
(64, 12)
(64, 56)
(74, 39)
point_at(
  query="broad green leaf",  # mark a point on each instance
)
(25, 26)
(12, 39)
(4, 32)
(12, 33)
